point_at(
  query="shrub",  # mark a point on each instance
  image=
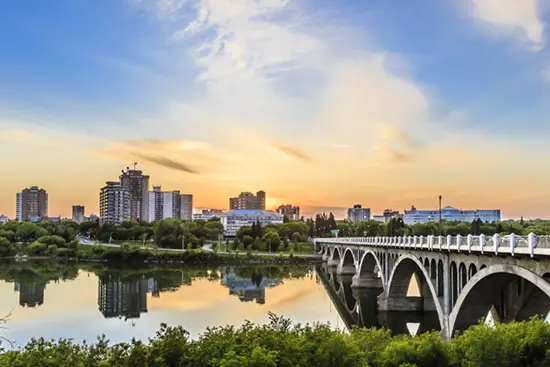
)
(53, 240)
(37, 248)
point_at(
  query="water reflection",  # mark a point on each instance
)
(249, 289)
(49, 299)
(359, 307)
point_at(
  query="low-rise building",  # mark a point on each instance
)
(237, 218)
(449, 213)
(208, 214)
(4, 219)
(388, 215)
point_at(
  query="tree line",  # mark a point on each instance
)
(280, 343)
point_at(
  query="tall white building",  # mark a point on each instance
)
(114, 203)
(164, 204)
(186, 207)
(18, 205)
(237, 218)
(358, 214)
(449, 213)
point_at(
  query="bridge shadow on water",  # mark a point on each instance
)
(359, 307)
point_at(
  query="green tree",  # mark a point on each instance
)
(271, 241)
(6, 248)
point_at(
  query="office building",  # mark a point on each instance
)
(163, 204)
(291, 212)
(78, 213)
(138, 185)
(186, 207)
(235, 219)
(358, 214)
(248, 201)
(449, 213)
(114, 203)
(31, 203)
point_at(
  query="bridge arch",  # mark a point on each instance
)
(366, 275)
(335, 256)
(485, 289)
(398, 284)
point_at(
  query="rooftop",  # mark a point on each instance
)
(253, 213)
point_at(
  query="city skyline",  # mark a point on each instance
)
(320, 105)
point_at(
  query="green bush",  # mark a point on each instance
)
(280, 343)
(6, 248)
(53, 240)
(36, 248)
(52, 250)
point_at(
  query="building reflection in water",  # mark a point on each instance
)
(31, 294)
(124, 298)
(249, 289)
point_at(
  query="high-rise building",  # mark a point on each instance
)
(31, 203)
(358, 214)
(114, 203)
(78, 213)
(18, 209)
(138, 185)
(291, 212)
(164, 205)
(248, 201)
(186, 207)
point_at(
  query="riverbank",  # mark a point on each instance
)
(96, 253)
(282, 344)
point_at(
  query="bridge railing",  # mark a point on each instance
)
(512, 244)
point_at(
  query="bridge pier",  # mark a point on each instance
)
(345, 269)
(333, 262)
(397, 303)
(366, 281)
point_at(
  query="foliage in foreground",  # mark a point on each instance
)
(281, 344)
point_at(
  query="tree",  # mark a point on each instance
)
(247, 241)
(53, 240)
(26, 231)
(271, 241)
(6, 247)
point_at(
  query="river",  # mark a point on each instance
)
(82, 301)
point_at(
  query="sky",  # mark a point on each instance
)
(322, 104)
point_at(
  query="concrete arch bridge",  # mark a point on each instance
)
(459, 280)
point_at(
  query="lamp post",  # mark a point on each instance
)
(440, 198)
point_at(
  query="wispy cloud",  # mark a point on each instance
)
(166, 162)
(292, 152)
(520, 19)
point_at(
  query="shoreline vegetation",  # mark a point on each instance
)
(280, 343)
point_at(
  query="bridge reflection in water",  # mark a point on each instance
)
(359, 306)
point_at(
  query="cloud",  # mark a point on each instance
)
(166, 162)
(516, 18)
(292, 151)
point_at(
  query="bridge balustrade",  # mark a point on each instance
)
(510, 244)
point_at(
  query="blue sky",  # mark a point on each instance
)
(236, 91)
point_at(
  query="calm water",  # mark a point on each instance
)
(83, 301)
